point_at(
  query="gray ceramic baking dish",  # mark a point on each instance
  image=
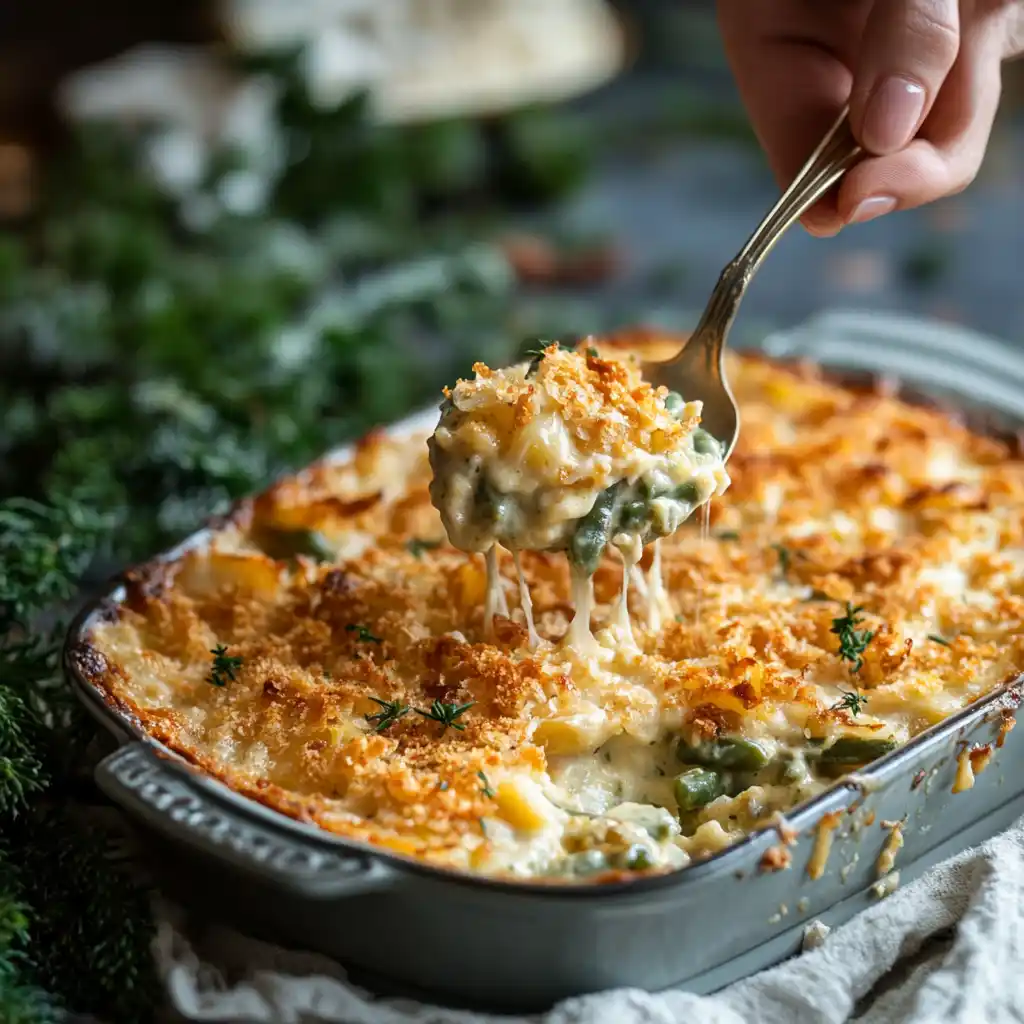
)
(521, 947)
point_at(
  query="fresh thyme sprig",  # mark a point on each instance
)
(390, 712)
(852, 701)
(363, 634)
(935, 638)
(537, 354)
(853, 642)
(446, 714)
(486, 785)
(225, 666)
(541, 347)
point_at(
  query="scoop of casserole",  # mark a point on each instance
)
(569, 452)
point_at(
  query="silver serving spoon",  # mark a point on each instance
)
(698, 372)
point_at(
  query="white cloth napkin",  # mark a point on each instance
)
(947, 949)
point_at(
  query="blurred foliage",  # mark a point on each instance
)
(927, 263)
(160, 357)
(132, 336)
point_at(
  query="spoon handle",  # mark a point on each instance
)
(701, 365)
(837, 152)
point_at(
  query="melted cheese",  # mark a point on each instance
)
(526, 603)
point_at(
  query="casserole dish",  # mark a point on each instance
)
(523, 946)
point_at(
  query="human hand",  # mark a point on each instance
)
(922, 77)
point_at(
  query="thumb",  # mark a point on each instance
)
(907, 50)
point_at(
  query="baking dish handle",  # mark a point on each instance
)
(155, 790)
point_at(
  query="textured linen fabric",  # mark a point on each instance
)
(946, 949)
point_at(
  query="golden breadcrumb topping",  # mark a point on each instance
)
(606, 405)
(862, 578)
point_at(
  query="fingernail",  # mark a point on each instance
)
(870, 208)
(892, 114)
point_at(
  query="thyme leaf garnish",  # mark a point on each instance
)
(851, 701)
(537, 353)
(364, 635)
(940, 640)
(446, 714)
(541, 347)
(486, 787)
(853, 642)
(390, 712)
(224, 668)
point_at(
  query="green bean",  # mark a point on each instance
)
(634, 515)
(594, 529)
(674, 403)
(705, 444)
(281, 544)
(697, 787)
(789, 767)
(492, 506)
(689, 492)
(855, 750)
(738, 754)
(637, 858)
